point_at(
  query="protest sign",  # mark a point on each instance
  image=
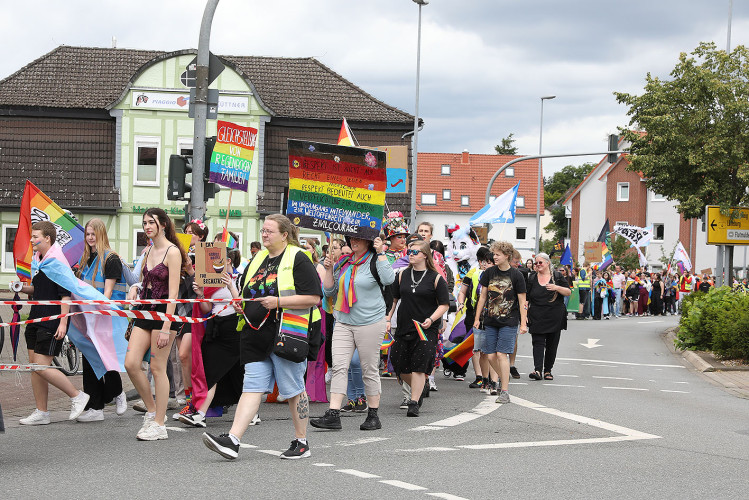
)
(231, 160)
(210, 263)
(708, 271)
(593, 251)
(336, 189)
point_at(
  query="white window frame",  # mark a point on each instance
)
(621, 223)
(184, 143)
(654, 232)
(657, 197)
(465, 200)
(424, 202)
(12, 269)
(520, 202)
(147, 141)
(442, 169)
(510, 172)
(619, 186)
(447, 192)
(516, 233)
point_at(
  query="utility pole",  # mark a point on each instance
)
(197, 202)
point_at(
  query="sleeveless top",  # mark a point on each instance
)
(158, 278)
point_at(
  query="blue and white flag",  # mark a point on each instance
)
(502, 209)
(567, 257)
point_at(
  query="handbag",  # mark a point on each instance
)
(292, 341)
(453, 304)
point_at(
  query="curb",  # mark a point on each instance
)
(702, 361)
(696, 361)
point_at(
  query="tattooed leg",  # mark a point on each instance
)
(299, 407)
(302, 407)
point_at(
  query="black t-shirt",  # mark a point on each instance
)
(256, 345)
(420, 302)
(112, 266)
(502, 308)
(46, 289)
(546, 314)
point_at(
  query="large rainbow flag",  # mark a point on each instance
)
(37, 206)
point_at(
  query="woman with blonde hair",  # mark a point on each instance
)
(101, 268)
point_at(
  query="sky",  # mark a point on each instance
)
(485, 64)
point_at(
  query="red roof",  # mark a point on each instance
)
(471, 179)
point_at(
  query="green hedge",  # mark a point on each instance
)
(715, 321)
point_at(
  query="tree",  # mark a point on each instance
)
(624, 253)
(506, 148)
(555, 188)
(694, 141)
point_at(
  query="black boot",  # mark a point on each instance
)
(413, 409)
(372, 422)
(331, 420)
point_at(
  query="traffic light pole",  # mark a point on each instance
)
(197, 203)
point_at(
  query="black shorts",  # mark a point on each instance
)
(151, 324)
(413, 356)
(42, 341)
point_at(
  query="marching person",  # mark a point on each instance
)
(101, 268)
(280, 280)
(162, 268)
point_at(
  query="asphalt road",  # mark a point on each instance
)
(626, 419)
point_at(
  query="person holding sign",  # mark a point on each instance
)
(281, 283)
(160, 278)
(424, 299)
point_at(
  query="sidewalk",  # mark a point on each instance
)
(732, 378)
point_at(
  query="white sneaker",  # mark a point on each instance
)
(121, 403)
(432, 385)
(153, 432)
(255, 420)
(78, 404)
(147, 422)
(91, 415)
(36, 418)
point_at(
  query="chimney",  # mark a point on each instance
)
(465, 160)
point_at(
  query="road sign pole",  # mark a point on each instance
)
(201, 111)
(719, 266)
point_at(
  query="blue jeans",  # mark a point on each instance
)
(355, 387)
(617, 301)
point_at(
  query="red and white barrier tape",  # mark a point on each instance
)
(24, 367)
(118, 302)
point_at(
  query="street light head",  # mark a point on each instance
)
(421, 2)
(544, 98)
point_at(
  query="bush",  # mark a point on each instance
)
(715, 321)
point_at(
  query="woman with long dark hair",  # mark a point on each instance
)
(160, 278)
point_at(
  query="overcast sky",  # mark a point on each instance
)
(484, 66)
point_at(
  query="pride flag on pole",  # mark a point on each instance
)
(230, 241)
(37, 206)
(345, 137)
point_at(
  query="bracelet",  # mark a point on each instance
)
(164, 331)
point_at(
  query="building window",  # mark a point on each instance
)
(465, 200)
(510, 172)
(621, 223)
(9, 237)
(622, 191)
(428, 199)
(140, 243)
(147, 154)
(658, 232)
(445, 169)
(658, 197)
(520, 233)
(446, 194)
(520, 202)
(184, 146)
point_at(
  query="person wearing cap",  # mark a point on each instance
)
(396, 232)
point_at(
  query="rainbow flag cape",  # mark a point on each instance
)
(227, 238)
(461, 353)
(37, 206)
(419, 330)
(387, 342)
(345, 137)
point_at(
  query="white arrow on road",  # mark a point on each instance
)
(591, 343)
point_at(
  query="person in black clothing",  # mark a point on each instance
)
(547, 316)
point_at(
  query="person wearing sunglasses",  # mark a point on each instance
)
(547, 316)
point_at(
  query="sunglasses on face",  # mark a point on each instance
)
(538, 263)
(413, 252)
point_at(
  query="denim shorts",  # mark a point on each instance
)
(478, 340)
(260, 376)
(499, 339)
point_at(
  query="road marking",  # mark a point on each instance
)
(678, 392)
(518, 383)
(176, 429)
(483, 408)
(626, 388)
(427, 428)
(401, 484)
(615, 378)
(430, 448)
(646, 322)
(358, 473)
(681, 382)
(563, 385)
(568, 376)
(245, 445)
(602, 366)
(625, 363)
(560, 442)
(271, 452)
(321, 464)
(361, 441)
(446, 496)
(592, 343)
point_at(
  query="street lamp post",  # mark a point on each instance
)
(540, 176)
(416, 120)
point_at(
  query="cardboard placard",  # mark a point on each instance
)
(210, 263)
(708, 271)
(483, 233)
(593, 251)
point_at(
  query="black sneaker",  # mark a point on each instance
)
(360, 405)
(372, 423)
(348, 407)
(413, 409)
(223, 445)
(193, 419)
(476, 384)
(404, 404)
(514, 372)
(296, 450)
(331, 420)
(459, 378)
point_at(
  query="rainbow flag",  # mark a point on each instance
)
(459, 328)
(608, 259)
(461, 353)
(345, 137)
(230, 241)
(419, 330)
(293, 324)
(387, 342)
(37, 206)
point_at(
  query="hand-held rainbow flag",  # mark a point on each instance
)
(419, 330)
(461, 353)
(227, 238)
(387, 342)
(37, 206)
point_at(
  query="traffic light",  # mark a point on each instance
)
(209, 188)
(179, 167)
(613, 146)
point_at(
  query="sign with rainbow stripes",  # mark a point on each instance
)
(337, 189)
(37, 206)
(231, 160)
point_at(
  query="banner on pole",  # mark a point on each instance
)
(231, 160)
(337, 189)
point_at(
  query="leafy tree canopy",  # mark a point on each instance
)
(570, 176)
(506, 148)
(695, 145)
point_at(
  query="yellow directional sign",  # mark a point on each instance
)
(731, 229)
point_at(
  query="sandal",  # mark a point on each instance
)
(535, 375)
(548, 376)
